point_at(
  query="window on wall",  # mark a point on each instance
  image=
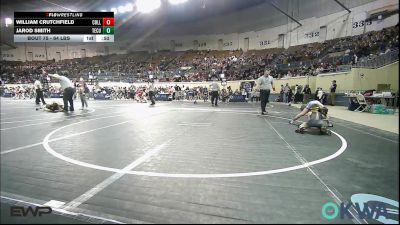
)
(58, 56)
(281, 41)
(172, 45)
(246, 44)
(195, 44)
(220, 44)
(322, 33)
(29, 56)
(83, 53)
(106, 50)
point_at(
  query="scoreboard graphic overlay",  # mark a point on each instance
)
(63, 26)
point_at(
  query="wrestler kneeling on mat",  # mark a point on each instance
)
(317, 118)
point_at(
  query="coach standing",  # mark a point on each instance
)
(39, 92)
(68, 91)
(265, 84)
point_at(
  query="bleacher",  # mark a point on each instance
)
(166, 65)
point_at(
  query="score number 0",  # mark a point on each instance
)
(108, 21)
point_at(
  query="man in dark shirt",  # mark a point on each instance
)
(332, 94)
(306, 94)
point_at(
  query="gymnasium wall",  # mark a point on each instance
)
(364, 79)
(356, 79)
(346, 81)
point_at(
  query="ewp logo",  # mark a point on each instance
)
(367, 206)
(25, 211)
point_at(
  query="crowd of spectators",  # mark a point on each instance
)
(310, 59)
(139, 93)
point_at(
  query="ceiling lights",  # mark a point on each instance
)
(143, 6)
(115, 10)
(176, 2)
(121, 9)
(147, 6)
(129, 7)
(8, 21)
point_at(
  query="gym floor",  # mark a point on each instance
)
(179, 162)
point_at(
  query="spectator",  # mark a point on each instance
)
(286, 93)
(281, 93)
(306, 94)
(297, 95)
(332, 94)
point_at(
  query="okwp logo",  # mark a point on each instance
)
(367, 206)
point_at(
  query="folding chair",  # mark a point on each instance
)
(363, 103)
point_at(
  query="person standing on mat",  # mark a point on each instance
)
(68, 91)
(152, 90)
(83, 91)
(265, 84)
(214, 92)
(39, 92)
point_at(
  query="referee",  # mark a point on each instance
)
(68, 93)
(265, 84)
(214, 92)
(152, 92)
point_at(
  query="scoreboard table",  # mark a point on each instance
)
(63, 26)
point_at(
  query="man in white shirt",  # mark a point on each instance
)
(265, 84)
(152, 91)
(39, 92)
(214, 92)
(68, 91)
(320, 93)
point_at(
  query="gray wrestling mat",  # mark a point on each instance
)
(179, 162)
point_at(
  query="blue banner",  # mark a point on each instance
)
(237, 98)
(163, 97)
(8, 95)
(101, 96)
(56, 95)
